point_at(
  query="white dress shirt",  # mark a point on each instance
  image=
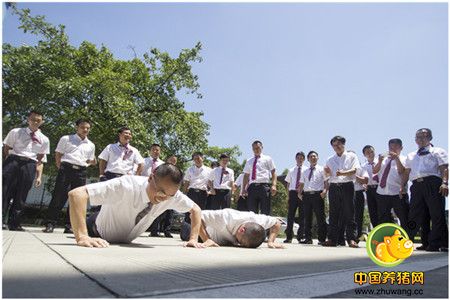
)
(198, 177)
(264, 167)
(347, 161)
(223, 224)
(317, 182)
(227, 178)
(76, 151)
(362, 172)
(369, 168)
(426, 165)
(114, 153)
(239, 181)
(394, 180)
(148, 163)
(19, 139)
(122, 199)
(291, 177)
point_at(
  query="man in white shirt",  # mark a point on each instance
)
(119, 159)
(428, 170)
(372, 184)
(196, 181)
(221, 183)
(312, 191)
(259, 172)
(341, 168)
(24, 151)
(73, 155)
(390, 188)
(361, 180)
(293, 183)
(242, 202)
(129, 204)
(153, 161)
(229, 227)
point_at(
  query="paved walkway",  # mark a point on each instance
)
(39, 265)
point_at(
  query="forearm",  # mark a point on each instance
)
(203, 233)
(348, 172)
(273, 233)
(101, 166)
(58, 157)
(6, 149)
(140, 168)
(78, 199)
(326, 185)
(39, 170)
(274, 178)
(400, 167)
(376, 168)
(245, 181)
(196, 221)
(300, 187)
(444, 172)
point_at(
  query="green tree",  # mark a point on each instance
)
(280, 201)
(68, 82)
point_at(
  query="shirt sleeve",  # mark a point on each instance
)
(303, 177)
(247, 168)
(138, 159)
(264, 221)
(441, 156)
(10, 138)
(111, 191)
(212, 174)
(232, 175)
(105, 153)
(271, 164)
(45, 149)
(355, 162)
(187, 175)
(62, 144)
(182, 203)
(92, 154)
(288, 177)
(408, 161)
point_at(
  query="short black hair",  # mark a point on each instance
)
(34, 112)
(254, 235)
(198, 153)
(171, 171)
(427, 130)
(154, 145)
(257, 142)
(224, 155)
(82, 120)
(312, 152)
(214, 164)
(338, 138)
(122, 129)
(367, 147)
(396, 141)
(301, 153)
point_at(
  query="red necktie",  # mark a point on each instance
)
(254, 168)
(34, 138)
(221, 175)
(153, 165)
(299, 173)
(127, 152)
(385, 174)
(374, 177)
(311, 173)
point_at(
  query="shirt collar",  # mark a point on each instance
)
(29, 130)
(77, 137)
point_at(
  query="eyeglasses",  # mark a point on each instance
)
(160, 193)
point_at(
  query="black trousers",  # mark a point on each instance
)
(258, 199)
(68, 179)
(221, 200)
(163, 223)
(425, 227)
(425, 195)
(371, 195)
(314, 203)
(294, 204)
(18, 176)
(242, 204)
(342, 211)
(385, 203)
(199, 197)
(359, 212)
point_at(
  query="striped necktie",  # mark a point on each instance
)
(143, 213)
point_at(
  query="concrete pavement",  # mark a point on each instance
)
(39, 265)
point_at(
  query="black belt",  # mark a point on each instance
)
(422, 179)
(21, 158)
(114, 174)
(341, 183)
(72, 166)
(372, 186)
(222, 190)
(311, 192)
(197, 190)
(259, 184)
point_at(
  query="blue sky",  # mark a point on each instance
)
(292, 75)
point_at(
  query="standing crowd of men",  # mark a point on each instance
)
(382, 181)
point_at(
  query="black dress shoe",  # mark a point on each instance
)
(320, 243)
(16, 228)
(341, 244)
(305, 241)
(443, 249)
(353, 244)
(422, 248)
(67, 229)
(168, 235)
(429, 249)
(4, 227)
(329, 243)
(287, 241)
(155, 234)
(49, 228)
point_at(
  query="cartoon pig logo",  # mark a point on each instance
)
(394, 248)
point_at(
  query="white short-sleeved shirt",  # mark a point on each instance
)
(122, 199)
(76, 151)
(264, 167)
(291, 177)
(239, 182)
(369, 169)
(148, 163)
(317, 182)
(198, 177)
(223, 224)
(426, 165)
(227, 178)
(114, 153)
(362, 172)
(19, 139)
(347, 161)
(394, 180)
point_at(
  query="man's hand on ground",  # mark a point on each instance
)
(87, 241)
(210, 243)
(193, 244)
(274, 245)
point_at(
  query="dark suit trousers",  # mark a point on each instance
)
(359, 212)
(342, 211)
(199, 197)
(314, 203)
(294, 203)
(371, 195)
(258, 199)
(221, 200)
(385, 203)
